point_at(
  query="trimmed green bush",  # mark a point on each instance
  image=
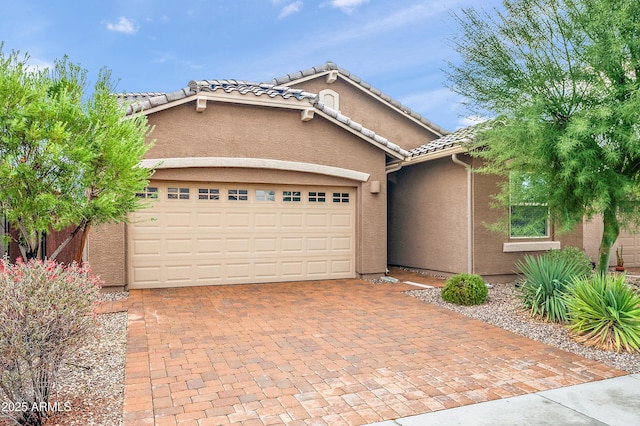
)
(577, 256)
(545, 282)
(604, 312)
(465, 289)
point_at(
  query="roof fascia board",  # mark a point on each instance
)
(251, 99)
(446, 152)
(167, 105)
(253, 163)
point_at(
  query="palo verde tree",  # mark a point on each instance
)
(68, 159)
(560, 78)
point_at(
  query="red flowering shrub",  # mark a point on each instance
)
(47, 310)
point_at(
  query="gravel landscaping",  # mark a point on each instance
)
(503, 309)
(92, 382)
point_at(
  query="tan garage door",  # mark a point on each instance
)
(204, 234)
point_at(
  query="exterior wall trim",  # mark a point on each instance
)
(254, 163)
(531, 246)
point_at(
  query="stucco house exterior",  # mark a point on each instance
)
(313, 175)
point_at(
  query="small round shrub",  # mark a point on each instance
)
(465, 289)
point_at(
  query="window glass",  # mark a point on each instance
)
(293, 196)
(265, 195)
(178, 193)
(238, 194)
(340, 197)
(528, 212)
(148, 192)
(208, 194)
(317, 197)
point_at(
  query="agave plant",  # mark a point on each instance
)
(604, 312)
(545, 282)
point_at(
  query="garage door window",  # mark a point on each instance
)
(148, 192)
(238, 195)
(178, 193)
(340, 197)
(291, 196)
(265, 195)
(208, 194)
(317, 197)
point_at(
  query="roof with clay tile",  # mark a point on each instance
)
(331, 66)
(139, 102)
(458, 138)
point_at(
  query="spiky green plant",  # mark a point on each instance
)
(545, 282)
(604, 312)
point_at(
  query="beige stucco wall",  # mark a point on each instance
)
(107, 255)
(372, 113)
(230, 130)
(428, 216)
(428, 222)
(489, 258)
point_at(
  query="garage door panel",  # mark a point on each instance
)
(340, 266)
(237, 246)
(238, 220)
(266, 270)
(147, 274)
(208, 246)
(146, 247)
(266, 220)
(317, 267)
(177, 220)
(292, 245)
(181, 242)
(238, 271)
(179, 246)
(315, 244)
(178, 272)
(266, 245)
(341, 221)
(292, 220)
(208, 220)
(341, 244)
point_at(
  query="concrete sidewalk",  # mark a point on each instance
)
(606, 402)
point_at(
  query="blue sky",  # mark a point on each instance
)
(399, 46)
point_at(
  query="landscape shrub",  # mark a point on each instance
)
(465, 289)
(604, 312)
(545, 282)
(577, 256)
(47, 311)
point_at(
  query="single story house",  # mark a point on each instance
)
(313, 175)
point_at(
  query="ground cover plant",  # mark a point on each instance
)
(47, 311)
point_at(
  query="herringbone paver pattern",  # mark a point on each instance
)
(325, 352)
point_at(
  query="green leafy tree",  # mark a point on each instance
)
(68, 159)
(561, 80)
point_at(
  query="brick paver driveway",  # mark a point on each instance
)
(324, 352)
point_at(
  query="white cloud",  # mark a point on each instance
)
(291, 8)
(470, 121)
(347, 5)
(122, 26)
